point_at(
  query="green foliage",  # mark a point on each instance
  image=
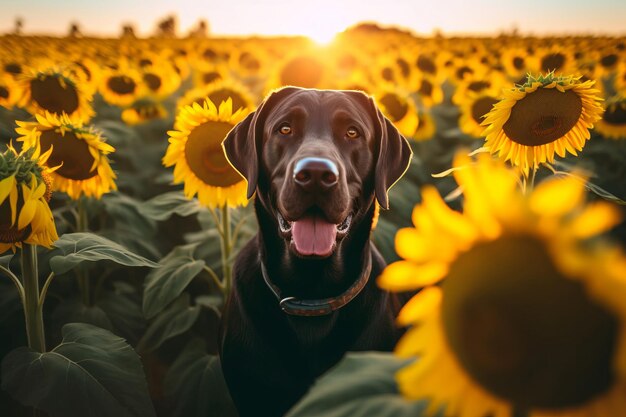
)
(194, 372)
(167, 282)
(77, 248)
(91, 373)
(361, 385)
(173, 321)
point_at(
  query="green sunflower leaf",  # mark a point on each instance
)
(163, 206)
(92, 372)
(77, 248)
(196, 371)
(164, 284)
(361, 385)
(173, 321)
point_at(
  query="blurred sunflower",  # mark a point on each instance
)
(426, 127)
(143, 110)
(473, 112)
(546, 116)
(470, 87)
(248, 60)
(516, 312)
(78, 154)
(195, 151)
(24, 195)
(12, 67)
(305, 70)
(10, 91)
(613, 122)
(55, 91)
(608, 60)
(517, 62)
(400, 108)
(217, 92)
(556, 59)
(122, 85)
(160, 80)
(429, 91)
(204, 74)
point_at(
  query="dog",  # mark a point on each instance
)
(304, 290)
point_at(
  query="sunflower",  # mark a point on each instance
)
(517, 62)
(196, 153)
(79, 154)
(471, 86)
(55, 91)
(217, 92)
(142, 111)
(307, 70)
(24, 195)
(10, 91)
(400, 108)
(426, 127)
(122, 85)
(547, 115)
(429, 91)
(555, 59)
(473, 111)
(613, 122)
(204, 74)
(528, 311)
(160, 80)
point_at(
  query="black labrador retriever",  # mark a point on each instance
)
(304, 288)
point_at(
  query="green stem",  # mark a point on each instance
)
(226, 249)
(82, 225)
(33, 311)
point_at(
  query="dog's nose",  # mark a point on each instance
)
(316, 174)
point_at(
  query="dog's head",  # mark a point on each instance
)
(317, 159)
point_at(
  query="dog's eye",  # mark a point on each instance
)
(352, 133)
(285, 129)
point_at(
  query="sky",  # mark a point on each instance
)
(319, 18)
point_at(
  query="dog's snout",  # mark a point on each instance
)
(316, 174)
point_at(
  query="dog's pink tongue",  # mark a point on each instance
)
(313, 235)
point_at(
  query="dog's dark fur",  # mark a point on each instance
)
(269, 358)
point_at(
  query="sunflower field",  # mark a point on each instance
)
(120, 218)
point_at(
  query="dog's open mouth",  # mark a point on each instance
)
(313, 235)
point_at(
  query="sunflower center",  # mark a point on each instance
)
(4, 92)
(387, 74)
(405, 69)
(510, 335)
(552, 62)
(396, 109)
(481, 107)
(71, 153)
(462, 71)
(426, 88)
(223, 94)
(615, 115)
(13, 68)
(302, 72)
(204, 154)
(543, 116)
(518, 63)
(609, 60)
(51, 94)
(209, 77)
(478, 85)
(425, 64)
(153, 81)
(121, 84)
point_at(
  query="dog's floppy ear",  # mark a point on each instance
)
(244, 142)
(394, 151)
(394, 157)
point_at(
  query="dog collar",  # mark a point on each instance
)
(297, 307)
